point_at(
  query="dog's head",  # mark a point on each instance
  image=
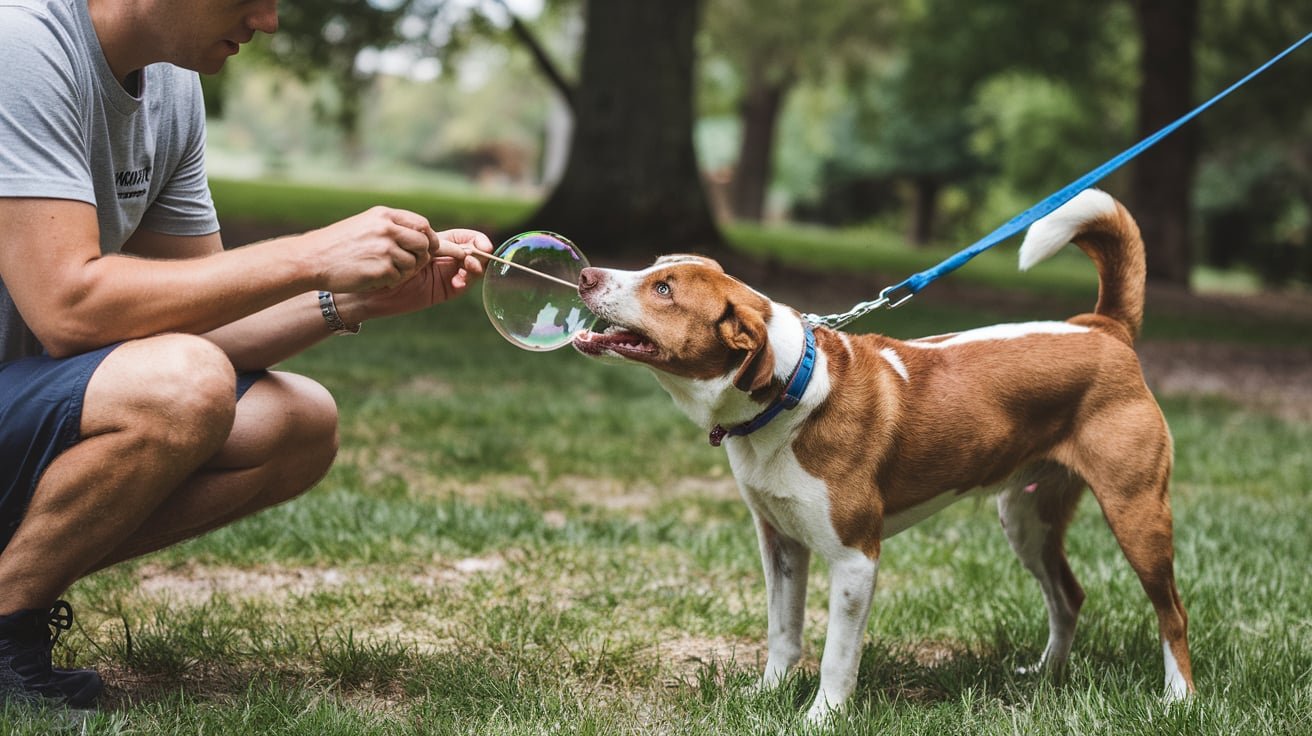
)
(683, 316)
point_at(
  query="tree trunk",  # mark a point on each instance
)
(924, 205)
(631, 185)
(1162, 178)
(759, 114)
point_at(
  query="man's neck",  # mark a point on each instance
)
(119, 27)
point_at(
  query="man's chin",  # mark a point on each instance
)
(213, 64)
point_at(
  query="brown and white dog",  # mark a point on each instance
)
(887, 432)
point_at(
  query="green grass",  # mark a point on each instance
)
(304, 206)
(526, 543)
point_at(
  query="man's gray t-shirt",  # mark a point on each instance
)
(68, 130)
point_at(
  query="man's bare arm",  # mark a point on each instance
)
(260, 340)
(75, 299)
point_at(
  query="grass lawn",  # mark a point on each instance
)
(525, 543)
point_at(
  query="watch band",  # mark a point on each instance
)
(329, 309)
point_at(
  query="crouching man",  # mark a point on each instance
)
(136, 405)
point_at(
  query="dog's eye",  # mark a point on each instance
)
(662, 288)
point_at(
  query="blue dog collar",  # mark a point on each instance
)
(797, 384)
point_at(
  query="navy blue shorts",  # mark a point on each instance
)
(40, 417)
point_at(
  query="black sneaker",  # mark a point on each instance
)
(26, 640)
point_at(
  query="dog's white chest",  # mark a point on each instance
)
(793, 501)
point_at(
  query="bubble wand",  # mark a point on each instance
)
(520, 266)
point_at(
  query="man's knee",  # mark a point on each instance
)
(316, 431)
(289, 422)
(174, 390)
(314, 434)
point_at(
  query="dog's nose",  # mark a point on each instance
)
(589, 279)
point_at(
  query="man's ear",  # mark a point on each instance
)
(743, 328)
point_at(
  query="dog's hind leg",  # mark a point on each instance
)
(1130, 478)
(786, 563)
(1035, 512)
(1143, 528)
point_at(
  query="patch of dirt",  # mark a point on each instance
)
(1275, 380)
(126, 687)
(931, 654)
(684, 657)
(611, 494)
(615, 495)
(196, 584)
(426, 386)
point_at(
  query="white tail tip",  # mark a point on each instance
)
(1049, 235)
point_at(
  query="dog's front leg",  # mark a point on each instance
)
(851, 587)
(786, 562)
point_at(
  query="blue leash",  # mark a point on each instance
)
(892, 296)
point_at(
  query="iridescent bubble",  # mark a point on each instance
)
(532, 312)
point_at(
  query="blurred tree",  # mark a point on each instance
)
(631, 184)
(774, 45)
(1163, 176)
(542, 58)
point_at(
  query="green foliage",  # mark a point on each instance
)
(1255, 203)
(782, 41)
(1035, 132)
(992, 100)
(951, 47)
(324, 38)
(1254, 188)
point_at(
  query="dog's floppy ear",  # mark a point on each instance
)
(743, 328)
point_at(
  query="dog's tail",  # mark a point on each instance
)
(1106, 232)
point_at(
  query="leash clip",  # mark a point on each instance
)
(884, 296)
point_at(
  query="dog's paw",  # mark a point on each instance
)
(820, 712)
(762, 685)
(1177, 691)
(1045, 667)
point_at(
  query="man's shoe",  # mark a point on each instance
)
(26, 640)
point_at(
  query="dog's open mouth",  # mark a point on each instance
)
(615, 339)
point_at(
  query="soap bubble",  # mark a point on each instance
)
(532, 312)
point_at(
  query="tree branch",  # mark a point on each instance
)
(540, 57)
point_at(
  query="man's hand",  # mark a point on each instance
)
(376, 249)
(447, 275)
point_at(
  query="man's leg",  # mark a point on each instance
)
(153, 412)
(166, 454)
(283, 441)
